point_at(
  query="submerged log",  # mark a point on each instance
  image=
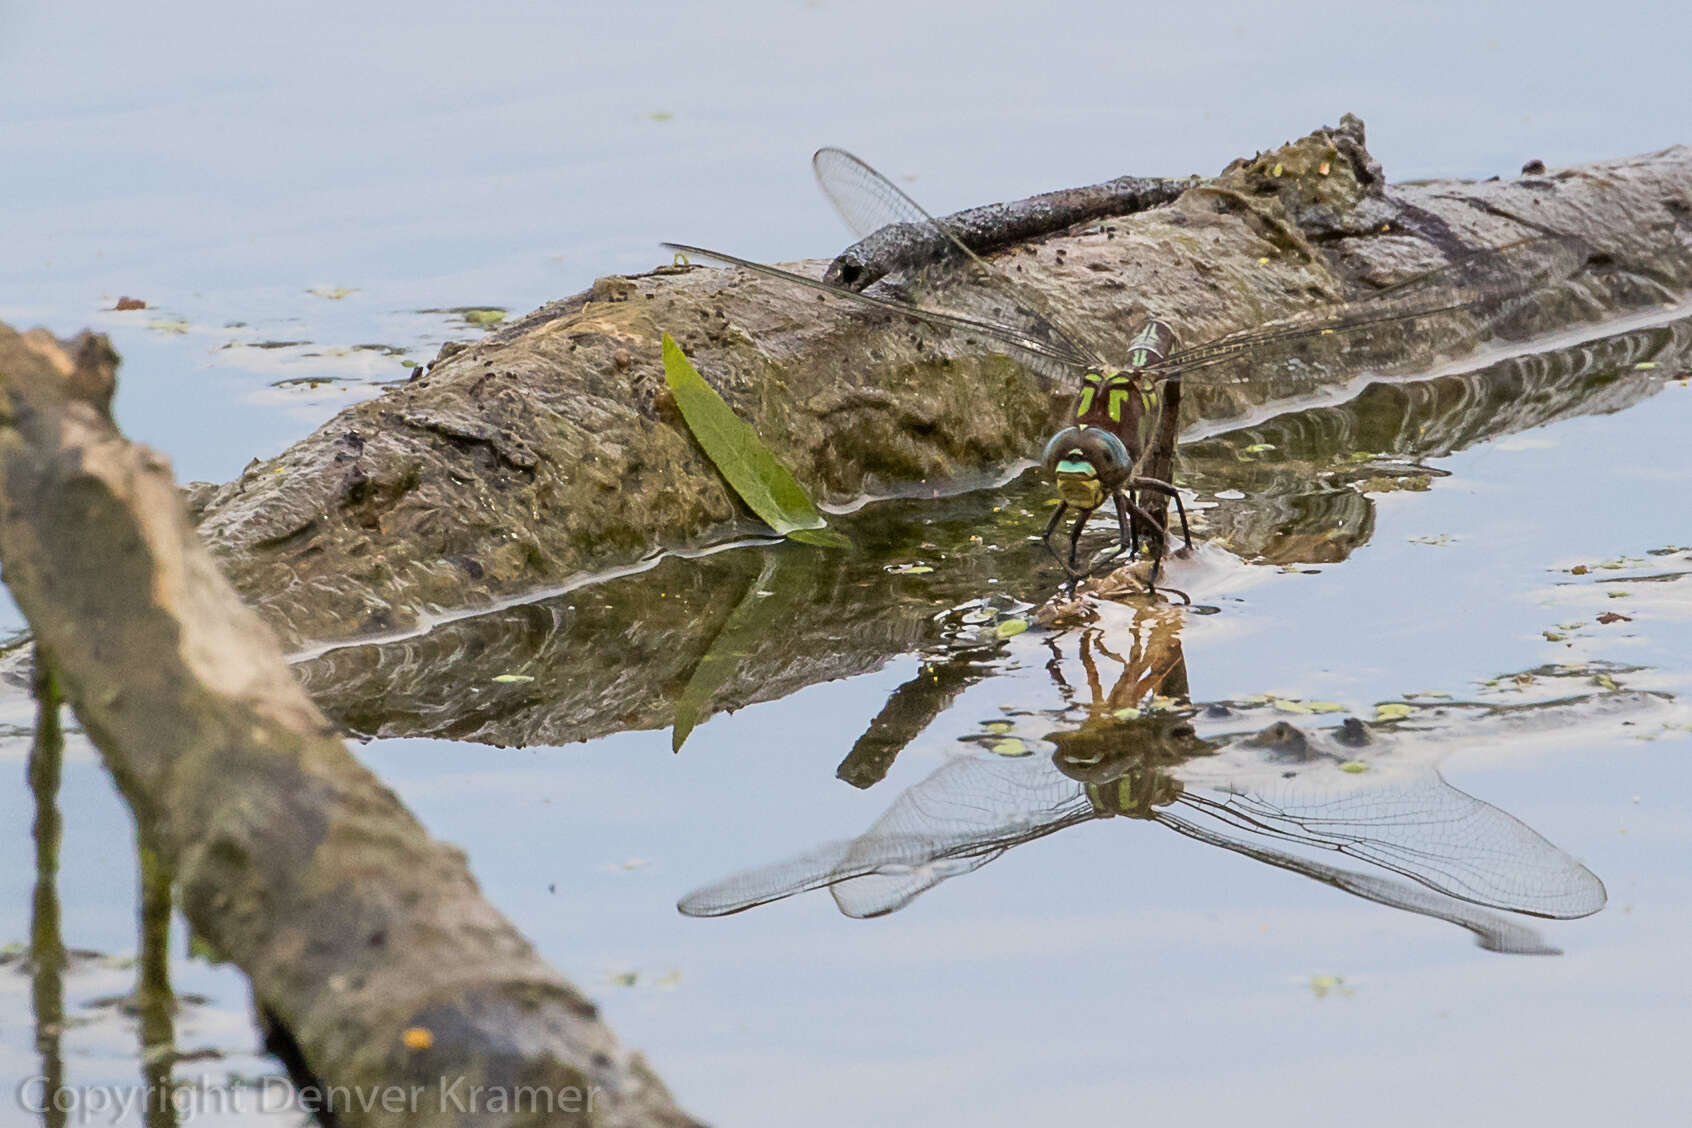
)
(544, 453)
(375, 962)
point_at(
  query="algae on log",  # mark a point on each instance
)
(543, 453)
(357, 930)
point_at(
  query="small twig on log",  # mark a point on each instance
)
(992, 226)
(371, 952)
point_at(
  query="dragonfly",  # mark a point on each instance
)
(1120, 442)
(1417, 844)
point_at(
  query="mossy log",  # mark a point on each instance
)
(543, 453)
(375, 962)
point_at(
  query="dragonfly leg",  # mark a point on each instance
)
(1075, 543)
(1051, 527)
(1125, 536)
(1162, 487)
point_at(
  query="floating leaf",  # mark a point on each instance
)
(1354, 766)
(1323, 986)
(1010, 628)
(1259, 448)
(1010, 747)
(484, 316)
(1326, 707)
(332, 293)
(1129, 714)
(766, 486)
(998, 727)
(1391, 711)
(512, 679)
(1606, 681)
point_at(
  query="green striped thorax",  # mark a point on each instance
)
(1115, 419)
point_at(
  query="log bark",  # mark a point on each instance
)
(373, 957)
(543, 454)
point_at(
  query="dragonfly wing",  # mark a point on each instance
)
(1054, 360)
(948, 271)
(1410, 321)
(962, 816)
(965, 814)
(1423, 829)
(1494, 932)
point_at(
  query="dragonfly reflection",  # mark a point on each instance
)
(1406, 839)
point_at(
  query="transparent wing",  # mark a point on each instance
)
(958, 277)
(1052, 358)
(1420, 317)
(961, 817)
(1425, 830)
(1493, 932)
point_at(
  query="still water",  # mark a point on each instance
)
(308, 203)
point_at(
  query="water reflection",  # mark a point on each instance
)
(1356, 806)
(46, 939)
(702, 636)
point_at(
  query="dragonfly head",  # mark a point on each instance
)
(1088, 464)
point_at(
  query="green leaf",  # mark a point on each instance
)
(762, 482)
(1391, 711)
(1010, 628)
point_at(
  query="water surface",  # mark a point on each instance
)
(427, 159)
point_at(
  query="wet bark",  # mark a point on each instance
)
(544, 453)
(372, 955)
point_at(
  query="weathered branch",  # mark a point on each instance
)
(372, 954)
